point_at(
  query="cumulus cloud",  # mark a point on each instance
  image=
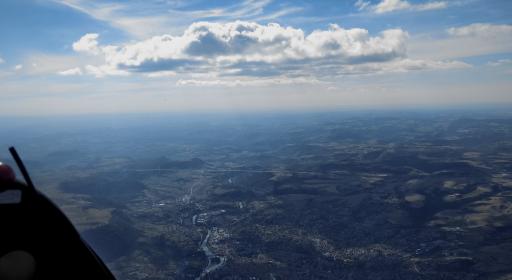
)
(250, 49)
(1, 60)
(237, 43)
(87, 44)
(18, 67)
(71, 72)
(386, 6)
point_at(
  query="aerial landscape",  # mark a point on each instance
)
(382, 195)
(257, 139)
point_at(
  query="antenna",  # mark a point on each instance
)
(21, 167)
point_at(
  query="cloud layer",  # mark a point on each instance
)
(464, 41)
(482, 30)
(250, 49)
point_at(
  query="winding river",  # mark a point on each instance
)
(214, 261)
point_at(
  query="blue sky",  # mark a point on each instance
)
(86, 56)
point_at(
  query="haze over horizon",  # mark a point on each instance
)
(83, 57)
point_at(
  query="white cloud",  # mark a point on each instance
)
(500, 62)
(87, 44)
(399, 66)
(71, 72)
(245, 48)
(418, 64)
(436, 5)
(386, 6)
(104, 70)
(481, 30)
(37, 64)
(18, 67)
(391, 5)
(1, 60)
(249, 49)
(278, 14)
(236, 82)
(245, 9)
(332, 71)
(161, 74)
(464, 41)
(362, 5)
(120, 16)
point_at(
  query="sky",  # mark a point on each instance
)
(87, 57)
